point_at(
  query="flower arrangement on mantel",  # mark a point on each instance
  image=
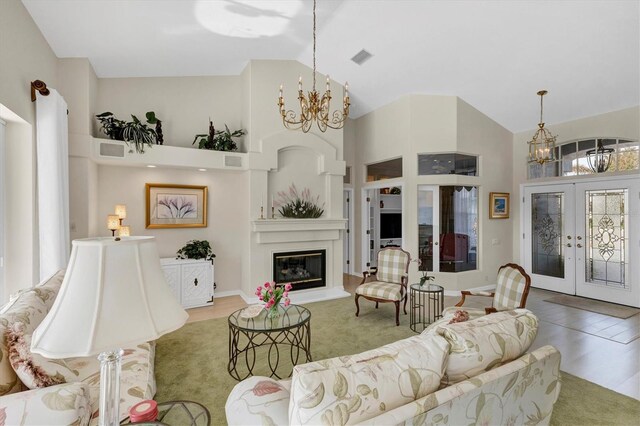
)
(272, 294)
(296, 205)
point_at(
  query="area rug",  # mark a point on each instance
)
(191, 363)
(596, 306)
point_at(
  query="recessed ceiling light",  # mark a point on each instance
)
(202, 170)
(151, 166)
(361, 57)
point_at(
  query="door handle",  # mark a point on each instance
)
(579, 237)
(568, 237)
(568, 244)
(579, 245)
(195, 282)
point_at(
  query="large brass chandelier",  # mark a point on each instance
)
(312, 106)
(542, 146)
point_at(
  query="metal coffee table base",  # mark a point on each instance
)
(243, 344)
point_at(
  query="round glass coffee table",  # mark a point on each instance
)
(260, 343)
(425, 306)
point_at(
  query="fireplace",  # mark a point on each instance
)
(303, 269)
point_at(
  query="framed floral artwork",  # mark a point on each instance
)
(499, 205)
(176, 206)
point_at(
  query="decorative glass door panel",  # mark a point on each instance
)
(607, 249)
(547, 226)
(605, 255)
(549, 237)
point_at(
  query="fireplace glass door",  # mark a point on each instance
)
(303, 269)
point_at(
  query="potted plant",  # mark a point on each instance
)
(218, 140)
(131, 131)
(138, 133)
(152, 119)
(111, 126)
(196, 249)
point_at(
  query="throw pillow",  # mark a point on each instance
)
(459, 316)
(487, 342)
(34, 370)
(387, 378)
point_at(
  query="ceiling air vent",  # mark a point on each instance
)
(361, 57)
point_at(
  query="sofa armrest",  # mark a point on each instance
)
(63, 404)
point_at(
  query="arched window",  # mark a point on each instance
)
(590, 156)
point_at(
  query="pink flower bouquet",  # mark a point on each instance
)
(272, 294)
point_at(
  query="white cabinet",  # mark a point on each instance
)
(190, 280)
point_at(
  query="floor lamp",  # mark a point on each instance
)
(114, 295)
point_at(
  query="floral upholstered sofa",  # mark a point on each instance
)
(38, 391)
(474, 372)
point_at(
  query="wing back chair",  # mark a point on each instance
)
(511, 292)
(388, 281)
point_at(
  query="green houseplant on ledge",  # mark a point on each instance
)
(134, 131)
(218, 140)
(196, 249)
(299, 205)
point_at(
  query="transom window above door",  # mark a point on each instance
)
(589, 157)
(384, 170)
(447, 164)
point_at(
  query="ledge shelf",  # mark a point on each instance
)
(116, 153)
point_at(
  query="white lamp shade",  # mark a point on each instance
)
(124, 231)
(113, 222)
(121, 211)
(114, 295)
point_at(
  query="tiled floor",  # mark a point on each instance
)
(582, 337)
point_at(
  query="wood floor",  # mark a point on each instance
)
(579, 335)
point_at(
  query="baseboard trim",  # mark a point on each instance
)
(227, 293)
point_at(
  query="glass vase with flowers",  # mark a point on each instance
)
(272, 294)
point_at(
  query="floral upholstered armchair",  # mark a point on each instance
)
(388, 281)
(511, 292)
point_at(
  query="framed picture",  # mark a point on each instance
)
(176, 206)
(499, 205)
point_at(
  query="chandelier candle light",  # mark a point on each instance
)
(312, 106)
(542, 146)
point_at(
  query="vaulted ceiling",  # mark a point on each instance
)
(493, 54)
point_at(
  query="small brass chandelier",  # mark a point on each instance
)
(542, 146)
(313, 107)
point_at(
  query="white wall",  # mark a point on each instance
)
(617, 124)
(425, 124)
(24, 56)
(184, 104)
(227, 219)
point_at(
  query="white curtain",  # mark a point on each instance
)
(52, 139)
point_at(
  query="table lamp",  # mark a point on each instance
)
(114, 295)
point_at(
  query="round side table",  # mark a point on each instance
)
(425, 306)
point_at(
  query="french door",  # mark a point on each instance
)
(584, 238)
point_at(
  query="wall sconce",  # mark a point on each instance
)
(124, 231)
(113, 223)
(121, 211)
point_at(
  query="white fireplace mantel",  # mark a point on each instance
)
(271, 231)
